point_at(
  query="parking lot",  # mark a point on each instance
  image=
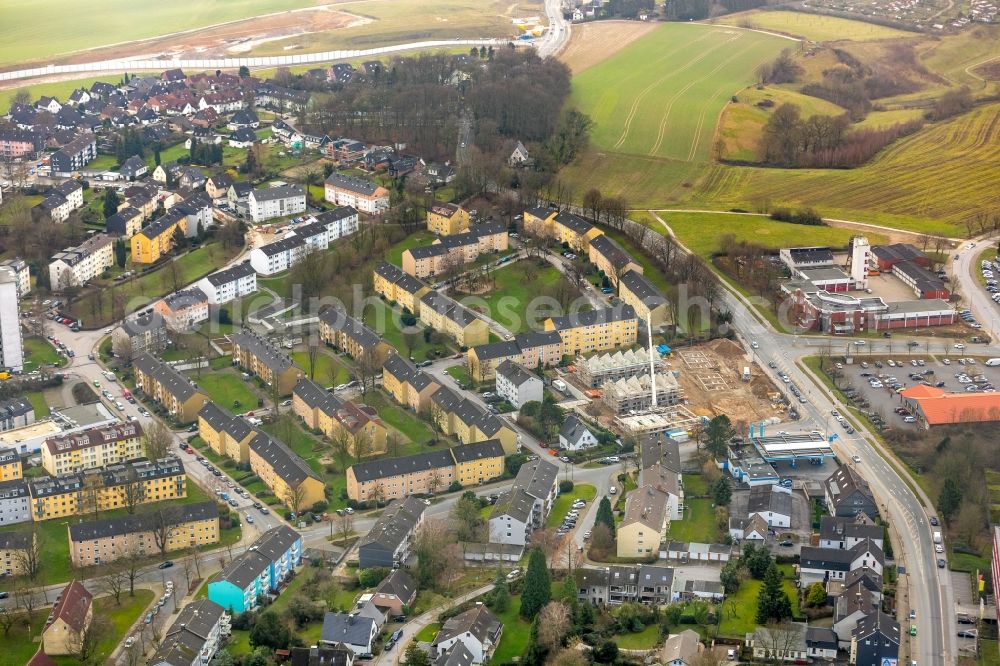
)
(874, 384)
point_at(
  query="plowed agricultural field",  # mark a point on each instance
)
(661, 96)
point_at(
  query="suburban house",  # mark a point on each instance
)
(595, 330)
(821, 643)
(334, 417)
(477, 628)
(824, 564)
(350, 630)
(145, 334)
(447, 219)
(276, 201)
(875, 640)
(217, 186)
(753, 528)
(322, 655)
(70, 617)
(224, 433)
(260, 570)
(263, 359)
(681, 649)
(148, 533)
(227, 285)
(456, 655)
(76, 266)
(786, 642)
(847, 494)
(359, 193)
(574, 435)
(517, 385)
(772, 503)
(288, 476)
(647, 516)
(183, 310)
(388, 542)
(94, 447)
(167, 386)
(844, 533)
(133, 168)
(194, 637)
(396, 591)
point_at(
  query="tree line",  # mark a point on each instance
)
(695, 10)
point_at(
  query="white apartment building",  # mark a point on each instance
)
(278, 256)
(328, 227)
(11, 351)
(516, 385)
(229, 284)
(271, 202)
(359, 193)
(79, 265)
(22, 277)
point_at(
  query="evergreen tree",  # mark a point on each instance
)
(772, 602)
(244, 71)
(537, 589)
(269, 631)
(816, 595)
(415, 656)
(721, 492)
(604, 515)
(110, 202)
(156, 154)
(121, 253)
(500, 597)
(717, 435)
(950, 499)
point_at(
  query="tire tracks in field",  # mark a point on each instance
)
(666, 114)
(638, 99)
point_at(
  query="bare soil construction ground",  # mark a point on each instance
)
(593, 43)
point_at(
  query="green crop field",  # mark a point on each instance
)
(29, 30)
(813, 26)
(662, 95)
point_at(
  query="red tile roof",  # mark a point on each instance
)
(41, 659)
(74, 601)
(941, 408)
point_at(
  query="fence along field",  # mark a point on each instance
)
(662, 95)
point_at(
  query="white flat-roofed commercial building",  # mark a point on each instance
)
(229, 284)
(279, 201)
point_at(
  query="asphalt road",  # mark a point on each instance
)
(965, 268)
(558, 33)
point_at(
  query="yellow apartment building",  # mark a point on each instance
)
(611, 258)
(92, 448)
(13, 546)
(148, 533)
(649, 303)
(447, 219)
(453, 319)
(529, 349)
(647, 516)
(263, 359)
(478, 462)
(595, 330)
(563, 227)
(158, 238)
(168, 387)
(346, 333)
(10, 465)
(397, 286)
(325, 412)
(285, 473)
(225, 434)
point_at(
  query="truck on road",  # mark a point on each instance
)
(937, 536)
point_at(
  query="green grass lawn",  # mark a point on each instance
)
(388, 325)
(311, 449)
(406, 422)
(225, 387)
(508, 301)
(698, 524)
(395, 253)
(38, 352)
(461, 374)
(324, 362)
(95, 310)
(121, 618)
(814, 26)
(739, 612)
(37, 400)
(427, 634)
(694, 486)
(240, 640)
(565, 501)
(516, 633)
(643, 640)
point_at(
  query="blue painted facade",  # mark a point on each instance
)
(258, 571)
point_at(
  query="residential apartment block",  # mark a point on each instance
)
(343, 332)
(287, 475)
(447, 219)
(15, 502)
(158, 238)
(145, 334)
(183, 310)
(76, 266)
(611, 258)
(595, 370)
(526, 506)
(195, 636)
(114, 487)
(178, 395)
(224, 433)
(263, 359)
(650, 304)
(637, 583)
(323, 411)
(276, 201)
(395, 478)
(516, 385)
(11, 347)
(531, 350)
(388, 542)
(359, 193)
(10, 465)
(397, 286)
(636, 393)
(258, 571)
(407, 384)
(563, 227)
(469, 422)
(14, 413)
(453, 252)
(21, 272)
(595, 330)
(13, 549)
(453, 319)
(95, 447)
(127, 222)
(74, 155)
(148, 533)
(229, 284)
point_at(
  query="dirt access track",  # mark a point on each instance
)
(225, 39)
(593, 43)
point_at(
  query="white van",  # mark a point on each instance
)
(993, 362)
(560, 385)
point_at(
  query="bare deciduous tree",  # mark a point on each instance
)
(156, 440)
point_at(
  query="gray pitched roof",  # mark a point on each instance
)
(16, 540)
(352, 184)
(279, 192)
(478, 621)
(537, 478)
(231, 274)
(386, 467)
(490, 448)
(643, 288)
(396, 524)
(514, 503)
(456, 655)
(573, 428)
(398, 584)
(286, 463)
(175, 383)
(347, 628)
(143, 521)
(766, 498)
(187, 636)
(620, 312)
(612, 251)
(263, 351)
(339, 320)
(515, 373)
